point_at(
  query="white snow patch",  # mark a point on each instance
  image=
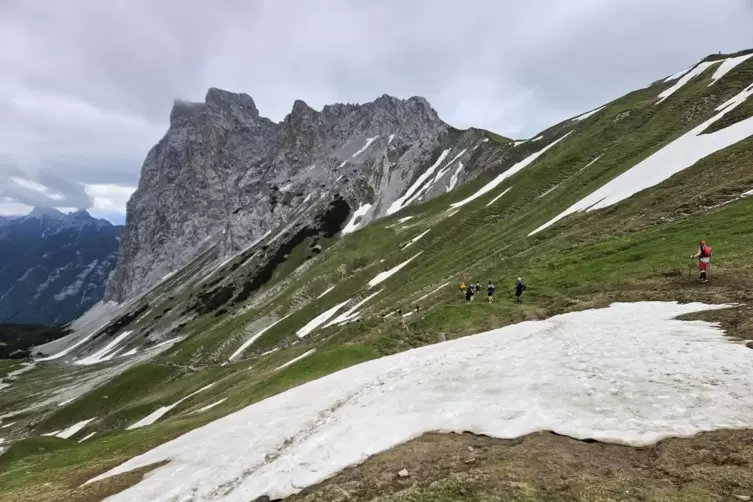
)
(454, 178)
(538, 138)
(339, 178)
(520, 142)
(51, 433)
(495, 199)
(586, 115)
(503, 176)
(313, 166)
(749, 192)
(432, 292)
(166, 342)
(392, 136)
(320, 319)
(251, 340)
(727, 66)
(286, 187)
(677, 156)
(687, 77)
(408, 314)
(307, 198)
(343, 164)
(399, 203)
(403, 220)
(106, 353)
(160, 412)
(131, 352)
(89, 436)
(354, 223)
(325, 292)
(415, 239)
(269, 352)
(383, 276)
(648, 373)
(549, 191)
(351, 313)
(74, 429)
(6, 426)
(450, 163)
(677, 75)
(67, 401)
(369, 141)
(292, 361)
(209, 406)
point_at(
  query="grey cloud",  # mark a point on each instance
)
(87, 86)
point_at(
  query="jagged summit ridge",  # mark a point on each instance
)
(224, 175)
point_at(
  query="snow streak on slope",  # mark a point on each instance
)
(677, 156)
(648, 373)
(383, 276)
(401, 202)
(210, 406)
(677, 75)
(513, 170)
(320, 319)
(415, 239)
(432, 292)
(352, 312)
(700, 68)
(586, 115)
(369, 141)
(495, 199)
(74, 429)
(325, 292)
(727, 66)
(454, 178)
(160, 412)
(295, 360)
(106, 353)
(251, 340)
(355, 222)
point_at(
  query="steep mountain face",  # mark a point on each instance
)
(225, 176)
(53, 266)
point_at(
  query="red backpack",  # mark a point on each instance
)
(705, 251)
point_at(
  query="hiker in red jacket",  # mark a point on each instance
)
(704, 259)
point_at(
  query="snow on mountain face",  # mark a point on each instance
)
(677, 156)
(53, 266)
(215, 178)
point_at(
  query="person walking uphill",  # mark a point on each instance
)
(469, 293)
(704, 259)
(490, 292)
(519, 288)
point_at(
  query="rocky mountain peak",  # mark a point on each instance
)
(221, 101)
(46, 212)
(222, 166)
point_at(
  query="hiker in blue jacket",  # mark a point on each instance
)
(490, 292)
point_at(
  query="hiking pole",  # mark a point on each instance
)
(690, 270)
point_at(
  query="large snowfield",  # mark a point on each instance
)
(630, 373)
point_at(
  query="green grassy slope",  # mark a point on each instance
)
(635, 250)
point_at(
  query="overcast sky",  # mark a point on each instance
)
(86, 86)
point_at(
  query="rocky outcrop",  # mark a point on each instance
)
(54, 266)
(223, 175)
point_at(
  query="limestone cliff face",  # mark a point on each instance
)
(223, 175)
